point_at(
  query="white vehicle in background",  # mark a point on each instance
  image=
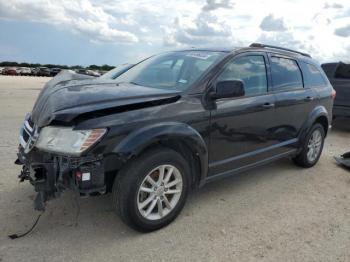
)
(88, 72)
(93, 73)
(25, 71)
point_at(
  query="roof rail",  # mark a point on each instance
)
(280, 48)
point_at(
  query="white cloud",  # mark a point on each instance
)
(319, 27)
(80, 16)
(203, 30)
(270, 23)
(216, 4)
(343, 31)
(334, 5)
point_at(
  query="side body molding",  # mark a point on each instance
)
(140, 139)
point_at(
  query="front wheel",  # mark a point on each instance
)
(152, 189)
(312, 147)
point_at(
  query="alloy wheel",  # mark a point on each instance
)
(314, 145)
(159, 192)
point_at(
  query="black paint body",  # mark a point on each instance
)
(218, 137)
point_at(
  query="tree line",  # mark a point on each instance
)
(91, 67)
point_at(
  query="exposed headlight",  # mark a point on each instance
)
(68, 141)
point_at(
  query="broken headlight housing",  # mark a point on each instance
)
(68, 141)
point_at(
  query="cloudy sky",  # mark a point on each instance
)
(113, 32)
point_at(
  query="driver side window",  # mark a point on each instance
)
(251, 70)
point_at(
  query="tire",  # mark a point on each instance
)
(305, 160)
(129, 198)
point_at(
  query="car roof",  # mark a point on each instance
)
(257, 47)
(210, 49)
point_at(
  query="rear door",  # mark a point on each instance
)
(294, 101)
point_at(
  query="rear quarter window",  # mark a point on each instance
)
(285, 74)
(312, 75)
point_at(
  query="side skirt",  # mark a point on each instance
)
(250, 166)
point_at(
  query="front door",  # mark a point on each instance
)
(240, 127)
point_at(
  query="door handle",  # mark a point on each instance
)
(309, 98)
(268, 105)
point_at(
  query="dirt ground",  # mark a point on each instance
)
(275, 213)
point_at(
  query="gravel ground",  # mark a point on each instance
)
(275, 213)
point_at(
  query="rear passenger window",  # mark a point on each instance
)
(251, 70)
(285, 74)
(312, 75)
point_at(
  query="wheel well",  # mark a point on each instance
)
(324, 122)
(182, 147)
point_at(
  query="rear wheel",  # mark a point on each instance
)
(152, 189)
(312, 147)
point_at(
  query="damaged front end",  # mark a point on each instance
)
(56, 137)
(52, 173)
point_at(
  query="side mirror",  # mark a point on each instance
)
(226, 89)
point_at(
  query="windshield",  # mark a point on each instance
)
(117, 71)
(174, 70)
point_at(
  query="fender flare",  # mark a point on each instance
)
(319, 111)
(138, 140)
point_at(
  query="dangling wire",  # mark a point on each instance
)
(14, 236)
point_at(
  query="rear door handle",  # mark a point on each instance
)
(268, 105)
(308, 98)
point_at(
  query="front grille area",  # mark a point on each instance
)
(27, 134)
(30, 122)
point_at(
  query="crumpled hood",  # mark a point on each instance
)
(68, 95)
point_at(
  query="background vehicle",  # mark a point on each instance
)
(43, 71)
(54, 71)
(339, 76)
(81, 71)
(10, 71)
(25, 71)
(117, 71)
(93, 73)
(88, 72)
(172, 122)
(34, 70)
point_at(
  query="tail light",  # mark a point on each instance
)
(334, 93)
(78, 175)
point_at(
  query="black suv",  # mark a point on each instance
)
(172, 122)
(339, 76)
(43, 71)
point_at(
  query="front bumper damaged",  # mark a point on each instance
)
(51, 174)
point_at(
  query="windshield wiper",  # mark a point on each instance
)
(136, 84)
(119, 83)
